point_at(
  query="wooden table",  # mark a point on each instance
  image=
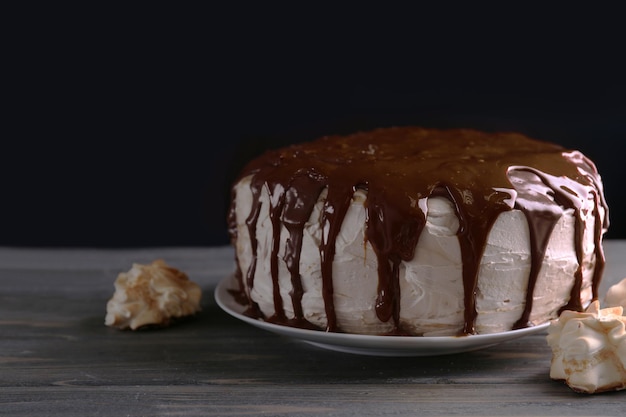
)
(57, 358)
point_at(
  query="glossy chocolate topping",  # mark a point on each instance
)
(482, 174)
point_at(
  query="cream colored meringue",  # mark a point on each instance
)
(151, 295)
(616, 295)
(589, 349)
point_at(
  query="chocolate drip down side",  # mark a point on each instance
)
(536, 199)
(476, 218)
(334, 211)
(238, 294)
(483, 175)
(393, 235)
(300, 198)
(251, 222)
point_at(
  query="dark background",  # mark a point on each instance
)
(126, 127)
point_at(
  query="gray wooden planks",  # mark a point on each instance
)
(58, 358)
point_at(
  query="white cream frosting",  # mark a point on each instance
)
(151, 295)
(589, 349)
(431, 284)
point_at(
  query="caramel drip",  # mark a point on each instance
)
(478, 172)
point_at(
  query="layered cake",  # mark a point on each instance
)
(414, 231)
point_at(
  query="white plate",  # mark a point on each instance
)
(372, 345)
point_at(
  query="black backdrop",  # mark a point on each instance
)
(126, 127)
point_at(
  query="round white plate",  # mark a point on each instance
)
(372, 345)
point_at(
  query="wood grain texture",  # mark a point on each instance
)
(57, 358)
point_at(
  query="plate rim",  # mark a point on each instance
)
(378, 345)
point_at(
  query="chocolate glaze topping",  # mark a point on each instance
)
(482, 174)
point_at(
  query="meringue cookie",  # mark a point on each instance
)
(151, 294)
(616, 295)
(589, 349)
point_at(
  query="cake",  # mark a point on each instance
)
(417, 232)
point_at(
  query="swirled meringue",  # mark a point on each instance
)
(616, 295)
(589, 349)
(151, 295)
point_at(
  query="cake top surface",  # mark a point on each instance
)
(399, 166)
(416, 160)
